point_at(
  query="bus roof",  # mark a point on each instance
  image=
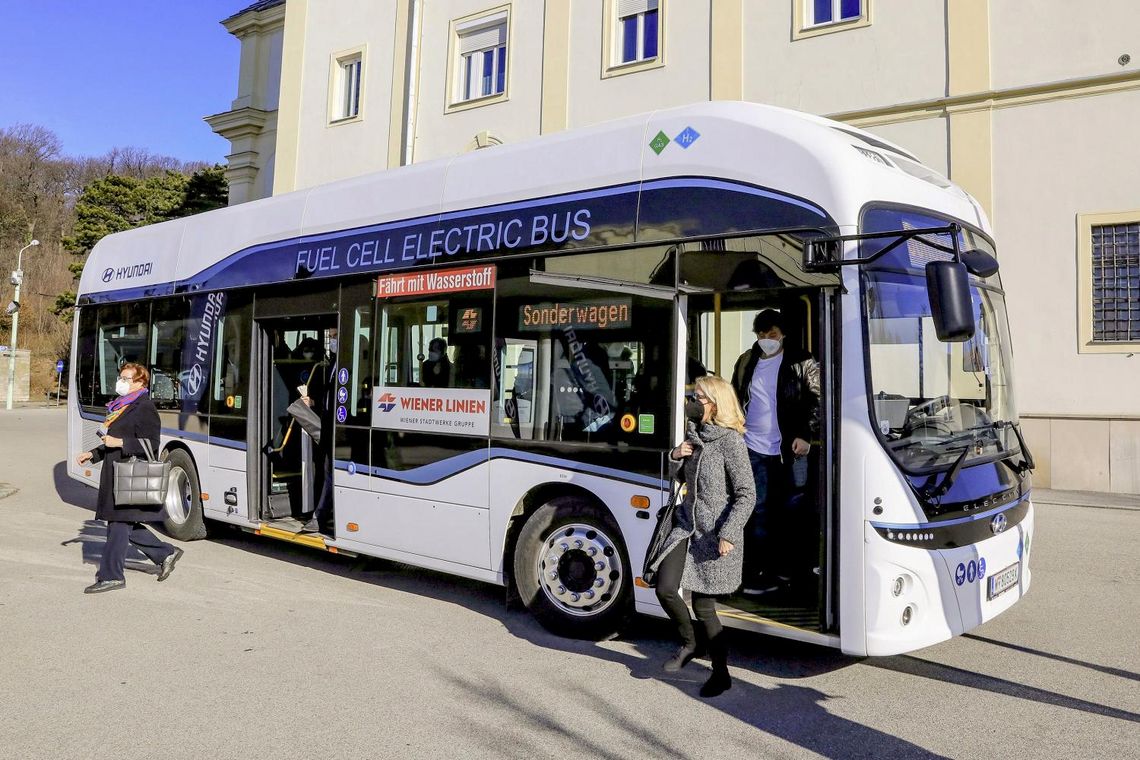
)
(762, 162)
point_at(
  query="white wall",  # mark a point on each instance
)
(899, 58)
(440, 134)
(683, 79)
(1051, 40)
(1052, 161)
(335, 151)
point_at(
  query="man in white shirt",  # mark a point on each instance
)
(779, 391)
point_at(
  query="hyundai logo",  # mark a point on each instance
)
(194, 380)
(108, 273)
(998, 524)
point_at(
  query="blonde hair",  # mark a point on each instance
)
(727, 411)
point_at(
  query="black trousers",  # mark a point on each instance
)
(121, 536)
(669, 594)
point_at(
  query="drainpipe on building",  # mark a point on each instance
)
(413, 78)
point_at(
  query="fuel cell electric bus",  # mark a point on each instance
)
(500, 344)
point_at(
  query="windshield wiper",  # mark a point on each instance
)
(931, 491)
(1026, 462)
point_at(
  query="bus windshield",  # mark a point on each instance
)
(935, 402)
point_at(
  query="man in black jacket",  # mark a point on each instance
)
(779, 392)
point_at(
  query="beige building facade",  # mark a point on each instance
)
(1031, 109)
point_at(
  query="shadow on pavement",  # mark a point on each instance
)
(91, 539)
(71, 491)
(793, 713)
(935, 671)
(1107, 670)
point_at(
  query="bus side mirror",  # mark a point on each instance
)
(948, 283)
(980, 263)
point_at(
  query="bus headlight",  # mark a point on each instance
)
(899, 585)
(907, 614)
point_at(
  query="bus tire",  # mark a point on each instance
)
(572, 570)
(184, 519)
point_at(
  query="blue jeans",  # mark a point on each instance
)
(761, 553)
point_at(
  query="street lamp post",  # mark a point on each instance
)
(17, 280)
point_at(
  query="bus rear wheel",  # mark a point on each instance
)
(572, 570)
(184, 519)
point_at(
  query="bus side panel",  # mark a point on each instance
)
(423, 527)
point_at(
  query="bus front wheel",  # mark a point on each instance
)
(184, 520)
(572, 570)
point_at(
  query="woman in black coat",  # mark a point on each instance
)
(131, 418)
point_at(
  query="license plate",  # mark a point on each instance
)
(1004, 580)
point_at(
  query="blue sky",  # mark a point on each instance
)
(107, 73)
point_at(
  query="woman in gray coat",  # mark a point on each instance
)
(704, 551)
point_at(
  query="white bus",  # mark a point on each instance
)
(504, 341)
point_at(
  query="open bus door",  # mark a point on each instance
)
(729, 283)
(292, 451)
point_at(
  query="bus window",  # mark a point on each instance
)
(576, 365)
(436, 344)
(230, 375)
(120, 337)
(167, 341)
(360, 363)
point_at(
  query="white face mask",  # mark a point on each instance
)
(332, 345)
(122, 387)
(769, 345)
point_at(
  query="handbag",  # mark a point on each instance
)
(141, 482)
(653, 554)
(308, 419)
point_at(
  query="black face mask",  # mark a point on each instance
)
(694, 410)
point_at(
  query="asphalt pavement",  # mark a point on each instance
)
(260, 649)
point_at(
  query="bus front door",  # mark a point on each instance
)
(298, 368)
(786, 540)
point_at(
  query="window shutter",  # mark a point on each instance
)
(482, 39)
(630, 7)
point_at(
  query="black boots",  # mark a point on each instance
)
(679, 660)
(720, 681)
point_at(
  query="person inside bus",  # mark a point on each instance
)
(320, 382)
(435, 371)
(778, 388)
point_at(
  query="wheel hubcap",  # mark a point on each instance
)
(179, 497)
(579, 569)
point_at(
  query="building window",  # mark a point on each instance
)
(634, 36)
(346, 86)
(1108, 282)
(637, 30)
(1116, 282)
(832, 11)
(815, 17)
(480, 58)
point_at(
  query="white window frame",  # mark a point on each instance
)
(615, 12)
(344, 92)
(471, 38)
(804, 24)
(1085, 223)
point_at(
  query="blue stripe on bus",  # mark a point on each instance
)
(452, 466)
(179, 434)
(283, 252)
(947, 523)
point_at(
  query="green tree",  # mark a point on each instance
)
(206, 190)
(116, 203)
